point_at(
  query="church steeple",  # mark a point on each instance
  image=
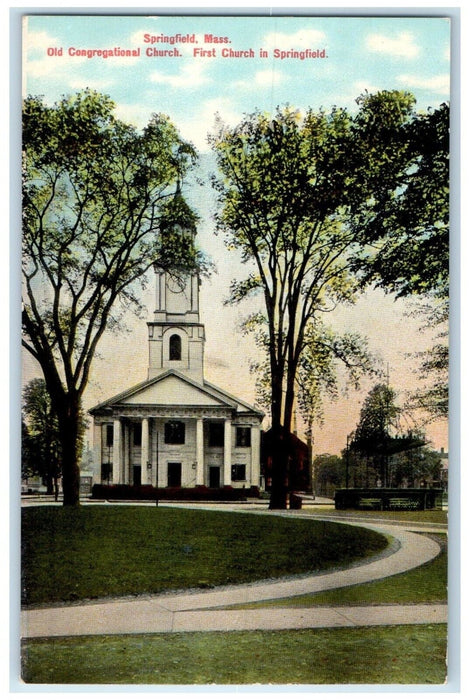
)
(176, 336)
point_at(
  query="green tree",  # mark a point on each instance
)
(359, 468)
(329, 363)
(432, 398)
(406, 237)
(290, 191)
(379, 433)
(406, 245)
(101, 204)
(40, 435)
(27, 451)
(328, 474)
(419, 466)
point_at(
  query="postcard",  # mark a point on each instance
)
(235, 275)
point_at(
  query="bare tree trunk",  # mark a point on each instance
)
(310, 455)
(69, 433)
(279, 487)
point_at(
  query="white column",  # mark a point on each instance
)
(199, 452)
(126, 439)
(117, 451)
(227, 452)
(255, 455)
(145, 452)
(157, 424)
(97, 451)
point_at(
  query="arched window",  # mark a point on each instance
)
(175, 347)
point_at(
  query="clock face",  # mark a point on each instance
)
(176, 284)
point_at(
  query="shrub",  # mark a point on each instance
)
(146, 492)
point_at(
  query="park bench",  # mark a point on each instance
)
(403, 504)
(372, 503)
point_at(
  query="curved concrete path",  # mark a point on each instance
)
(197, 610)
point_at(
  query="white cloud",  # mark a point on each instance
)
(403, 45)
(136, 38)
(191, 75)
(43, 67)
(439, 83)
(262, 79)
(39, 41)
(200, 124)
(304, 38)
(265, 78)
(37, 64)
(133, 114)
(52, 68)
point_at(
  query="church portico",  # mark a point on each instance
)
(175, 429)
(184, 446)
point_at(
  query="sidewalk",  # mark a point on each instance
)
(200, 610)
(148, 617)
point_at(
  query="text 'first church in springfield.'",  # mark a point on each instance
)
(176, 429)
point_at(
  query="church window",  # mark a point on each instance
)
(137, 434)
(109, 434)
(216, 434)
(106, 472)
(243, 438)
(174, 433)
(238, 472)
(175, 347)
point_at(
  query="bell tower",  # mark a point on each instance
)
(176, 336)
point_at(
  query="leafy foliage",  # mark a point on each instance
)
(327, 358)
(328, 471)
(380, 436)
(40, 434)
(432, 398)
(407, 234)
(405, 241)
(379, 416)
(294, 194)
(99, 208)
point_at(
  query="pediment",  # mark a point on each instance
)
(172, 390)
(169, 389)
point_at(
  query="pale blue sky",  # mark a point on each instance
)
(362, 54)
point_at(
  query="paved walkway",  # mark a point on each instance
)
(201, 610)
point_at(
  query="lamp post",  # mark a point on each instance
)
(156, 469)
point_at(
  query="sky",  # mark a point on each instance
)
(259, 63)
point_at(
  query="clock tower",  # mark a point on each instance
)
(176, 336)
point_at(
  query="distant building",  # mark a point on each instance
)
(444, 456)
(175, 428)
(299, 467)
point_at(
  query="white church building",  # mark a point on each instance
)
(175, 429)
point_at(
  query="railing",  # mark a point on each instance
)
(389, 499)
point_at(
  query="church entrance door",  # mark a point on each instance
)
(137, 475)
(214, 477)
(174, 474)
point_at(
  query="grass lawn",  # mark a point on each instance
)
(415, 516)
(405, 654)
(425, 584)
(90, 552)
